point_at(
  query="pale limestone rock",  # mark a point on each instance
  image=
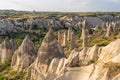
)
(97, 28)
(84, 33)
(113, 26)
(92, 54)
(56, 68)
(98, 70)
(50, 46)
(14, 44)
(116, 77)
(82, 55)
(24, 55)
(73, 59)
(53, 65)
(100, 73)
(72, 41)
(77, 73)
(7, 49)
(104, 25)
(51, 73)
(59, 37)
(61, 65)
(65, 38)
(110, 51)
(69, 33)
(109, 30)
(49, 50)
(116, 59)
(88, 55)
(67, 69)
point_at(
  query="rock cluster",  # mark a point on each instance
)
(89, 63)
(49, 50)
(65, 37)
(17, 26)
(106, 29)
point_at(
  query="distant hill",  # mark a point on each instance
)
(13, 11)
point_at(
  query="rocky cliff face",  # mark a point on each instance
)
(24, 55)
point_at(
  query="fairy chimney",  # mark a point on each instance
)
(69, 33)
(24, 55)
(7, 49)
(50, 49)
(64, 38)
(109, 29)
(72, 41)
(84, 34)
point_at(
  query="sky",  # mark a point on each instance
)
(62, 5)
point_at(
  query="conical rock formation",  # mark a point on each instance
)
(49, 50)
(7, 49)
(24, 55)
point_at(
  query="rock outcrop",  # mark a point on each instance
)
(84, 33)
(116, 77)
(65, 38)
(7, 49)
(49, 50)
(72, 41)
(24, 55)
(89, 63)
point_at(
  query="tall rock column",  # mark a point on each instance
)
(72, 42)
(108, 31)
(69, 33)
(60, 37)
(64, 38)
(113, 26)
(84, 34)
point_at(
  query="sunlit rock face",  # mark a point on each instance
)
(88, 63)
(24, 55)
(117, 77)
(49, 50)
(7, 48)
(79, 66)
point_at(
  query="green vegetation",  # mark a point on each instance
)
(12, 75)
(7, 74)
(29, 15)
(5, 65)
